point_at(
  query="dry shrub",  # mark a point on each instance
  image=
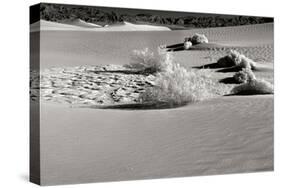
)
(234, 58)
(177, 86)
(148, 62)
(253, 87)
(173, 85)
(198, 39)
(241, 60)
(244, 76)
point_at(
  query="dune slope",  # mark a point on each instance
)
(79, 25)
(225, 135)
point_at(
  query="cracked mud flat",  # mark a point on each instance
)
(90, 85)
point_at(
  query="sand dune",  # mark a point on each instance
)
(100, 48)
(44, 25)
(79, 25)
(126, 26)
(222, 135)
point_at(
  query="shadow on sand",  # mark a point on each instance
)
(228, 80)
(138, 106)
(244, 93)
(202, 46)
(222, 68)
(175, 47)
(231, 69)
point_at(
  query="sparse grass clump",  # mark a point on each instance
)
(244, 76)
(253, 87)
(148, 62)
(198, 39)
(234, 58)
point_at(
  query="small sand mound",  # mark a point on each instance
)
(254, 87)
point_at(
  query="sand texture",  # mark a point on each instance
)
(225, 134)
(93, 85)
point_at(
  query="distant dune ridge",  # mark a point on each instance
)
(48, 26)
(80, 25)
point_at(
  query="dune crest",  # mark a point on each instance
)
(127, 26)
(81, 25)
(43, 25)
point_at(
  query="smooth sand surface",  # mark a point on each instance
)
(44, 25)
(222, 135)
(127, 26)
(74, 48)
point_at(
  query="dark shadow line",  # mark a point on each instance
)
(138, 106)
(228, 80)
(175, 45)
(247, 94)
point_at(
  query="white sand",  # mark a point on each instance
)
(126, 26)
(74, 48)
(79, 25)
(223, 135)
(43, 25)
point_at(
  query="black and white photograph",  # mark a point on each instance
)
(120, 94)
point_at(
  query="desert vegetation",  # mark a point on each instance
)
(249, 84)
(174, 85)
(198, 39)
(244, 76)
(235, 59)
(253, 87)
(178, 86)
(147, 62)
(152, 79)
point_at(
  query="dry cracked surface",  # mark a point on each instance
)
(89, 85)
